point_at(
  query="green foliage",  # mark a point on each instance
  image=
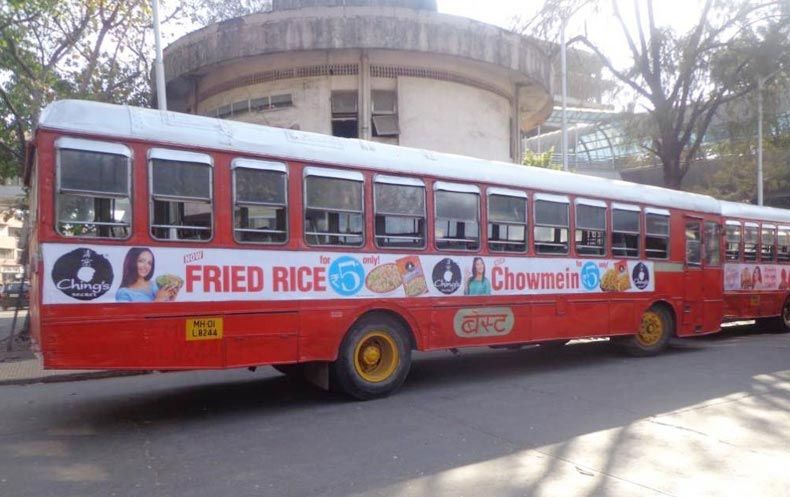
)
(542, 159)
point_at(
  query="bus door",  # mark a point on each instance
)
(693, 284)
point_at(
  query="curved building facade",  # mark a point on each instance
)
(392, 71)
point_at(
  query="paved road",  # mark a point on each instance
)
(709, 418)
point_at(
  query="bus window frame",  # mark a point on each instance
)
(341, 174)
(387, 179)
(757, 247)
(771, 227)
(454, 187)
(96, 146)
(259, 165)
(588, 202)
(554, 199)
(506, 192)
(197, 158)
(652, 211)
(739, 224)
(639, 232)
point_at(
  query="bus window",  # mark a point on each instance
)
(625, 230)
(181, 195)
(783, 254)
(693, 243)
(712, 244)
(551, 224)
(93, 186)
(768, 243)
(259, 201)
(590, 227)
(507, 220)
(399, 207)
(333, 212)
(656, 233)
(457, 216)
(734, 240)
(750, 242)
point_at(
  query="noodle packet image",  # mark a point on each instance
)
(414, 283)
(384, 278)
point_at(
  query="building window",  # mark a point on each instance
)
(734, 240)
(385, 113)
(507, 221)
(750, 242)
(281, 101)
(259, 201)
(241, 107)
(625, 231)
(7, 254)
(345, 117)
(457, 223)
(590, 227)
(551, 225)
(333, 207)
(399, 205)
(656, 234)
(768, 243)
(93, 189)
(181, 195)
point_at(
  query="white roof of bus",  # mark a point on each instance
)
(125, 122)
(754, 212)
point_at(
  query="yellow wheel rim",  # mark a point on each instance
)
(651, 330)
(376, 357)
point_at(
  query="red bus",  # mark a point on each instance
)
(757, 264)
(167, 241)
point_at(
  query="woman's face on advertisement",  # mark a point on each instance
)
(144, 261)
(480, 267)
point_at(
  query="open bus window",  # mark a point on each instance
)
(693, 243)
(734, 240)
(750, 243)
(93, 189)
(259, 201)
(783, 254)
(768, 243)
(656, 234)
(399, 205)
(590, 227)
(712, 244)
(625, 231)
(457, 224)
(507, 221)
(181, 195)
(551, 226)
(333, 208)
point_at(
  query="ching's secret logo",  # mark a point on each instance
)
(446, 276)
(82, 274)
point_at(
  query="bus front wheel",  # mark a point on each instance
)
(373, 360)
(779, 324)
(655, 331)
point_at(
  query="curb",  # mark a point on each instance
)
(59, 378)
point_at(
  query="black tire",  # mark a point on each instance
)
(373, 360)
(653, 336)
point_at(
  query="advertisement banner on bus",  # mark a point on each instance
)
(756, 277)
(102, 274)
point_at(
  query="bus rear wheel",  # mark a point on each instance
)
(374, 359)
(654, 333)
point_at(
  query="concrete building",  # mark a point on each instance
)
(10, 249)
(394, 71)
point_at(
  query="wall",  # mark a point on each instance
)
(449, 117)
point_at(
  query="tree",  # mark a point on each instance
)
(204, 12)
(543, 159)
(683, 79)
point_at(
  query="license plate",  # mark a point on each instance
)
(204, 328)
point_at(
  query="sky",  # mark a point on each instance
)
(601, 27)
